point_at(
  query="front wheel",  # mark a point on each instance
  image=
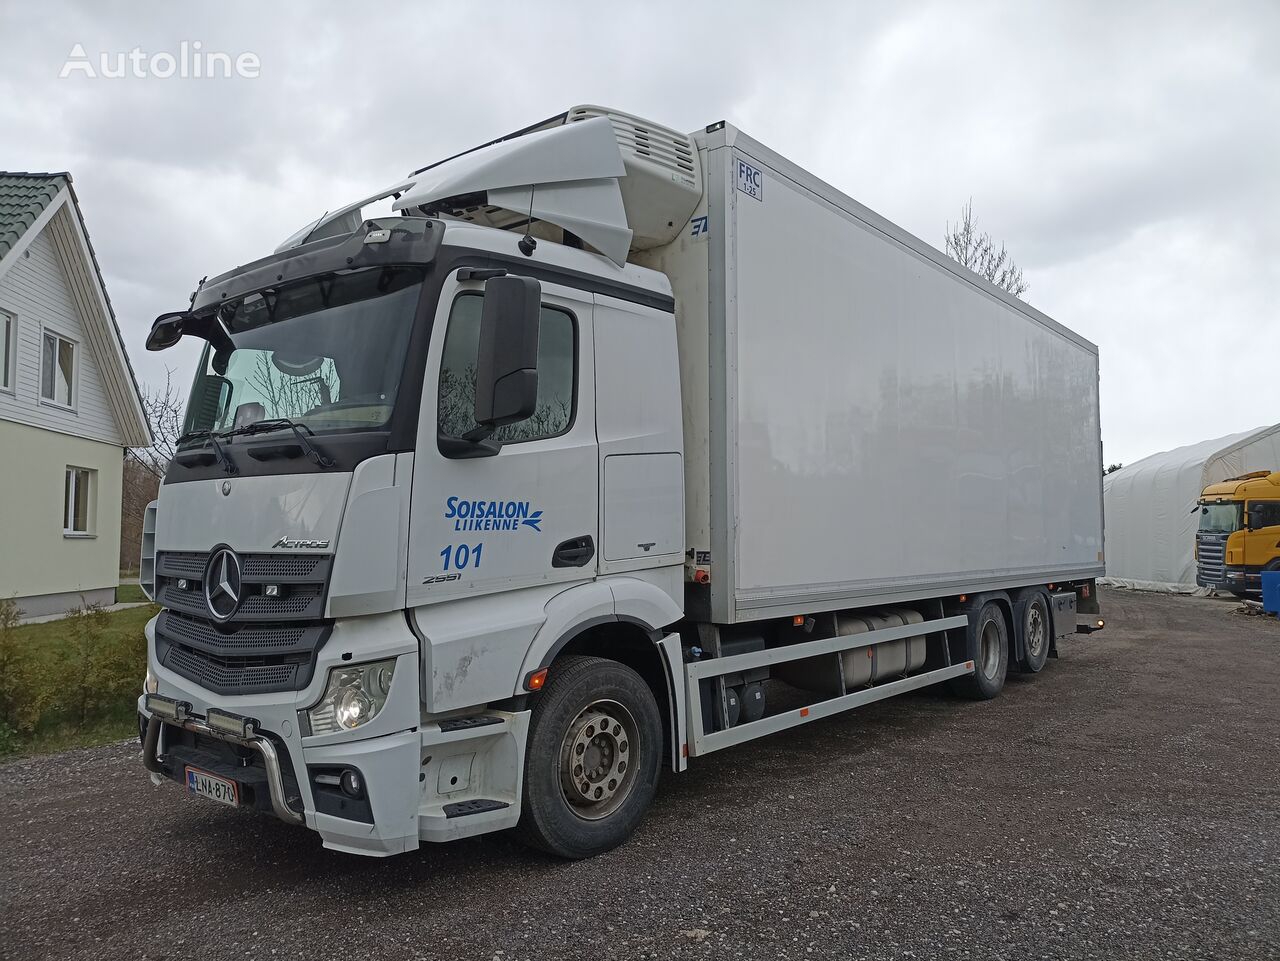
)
(592, 758)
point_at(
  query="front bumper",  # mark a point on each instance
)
(263, 746)
(282, 768)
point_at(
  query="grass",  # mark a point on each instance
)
(51, 658)
(130, 593)
(45, 641)
(121, 724)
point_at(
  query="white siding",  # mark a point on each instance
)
(35, 289)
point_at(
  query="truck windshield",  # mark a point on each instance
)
(1219, 518)
(326, 353)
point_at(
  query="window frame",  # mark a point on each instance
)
(74, 392)
(70, 487)
(1271, 510)
(9, 340)
(576, 379)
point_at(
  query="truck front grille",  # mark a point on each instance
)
(1210, 566)
(255, 659)
(232, 675)
(300, 581)
(271, 640)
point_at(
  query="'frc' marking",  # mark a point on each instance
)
(750, 181)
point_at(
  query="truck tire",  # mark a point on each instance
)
(1036, 633)
(602, 713)
(989, 650)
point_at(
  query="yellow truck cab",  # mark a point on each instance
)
(1239, 533)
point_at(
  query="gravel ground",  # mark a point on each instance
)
(1125, 803)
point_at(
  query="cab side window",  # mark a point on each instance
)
(557, 374)
(1265, 513)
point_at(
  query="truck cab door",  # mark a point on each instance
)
(1261, 537)
(527, 515)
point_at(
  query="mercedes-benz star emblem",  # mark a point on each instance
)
(226, 488)
(222, 586)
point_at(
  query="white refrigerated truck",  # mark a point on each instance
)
(490, 508)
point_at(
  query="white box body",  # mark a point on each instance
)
(865, 421)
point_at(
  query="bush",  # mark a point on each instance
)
(71, 679)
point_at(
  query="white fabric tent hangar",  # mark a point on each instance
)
(1149, 507)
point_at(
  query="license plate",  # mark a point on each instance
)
(210, 786)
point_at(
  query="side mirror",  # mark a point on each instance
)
(167, 330)
(507, 359)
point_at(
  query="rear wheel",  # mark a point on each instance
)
(1035, 633)
(592, 758)
(989, 651)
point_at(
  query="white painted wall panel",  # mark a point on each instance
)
(35, 289)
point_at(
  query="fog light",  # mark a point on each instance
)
(167, 708)
(351, 784)
(224, 722)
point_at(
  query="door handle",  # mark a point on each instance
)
(575, 552)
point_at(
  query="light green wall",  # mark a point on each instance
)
(35, 557)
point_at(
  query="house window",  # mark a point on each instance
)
(57, 369)
(77, 509)
(8, 336)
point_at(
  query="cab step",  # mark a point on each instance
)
(467, 723)
(460, 809)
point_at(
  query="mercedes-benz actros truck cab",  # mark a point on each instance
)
(490, 508)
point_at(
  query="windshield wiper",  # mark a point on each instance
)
(219, 452)
(300, 431)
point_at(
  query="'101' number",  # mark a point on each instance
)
(461, 557)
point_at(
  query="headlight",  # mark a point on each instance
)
(353, 696)
(152, 683)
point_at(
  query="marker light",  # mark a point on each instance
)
(536, 681)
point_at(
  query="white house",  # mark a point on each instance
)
(69, 404)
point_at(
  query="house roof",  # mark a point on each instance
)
(25, 199)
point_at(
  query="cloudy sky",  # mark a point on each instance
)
(1127, 153)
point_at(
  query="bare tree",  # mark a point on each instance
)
(144, 467)
(975, 249)
(164, 411)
